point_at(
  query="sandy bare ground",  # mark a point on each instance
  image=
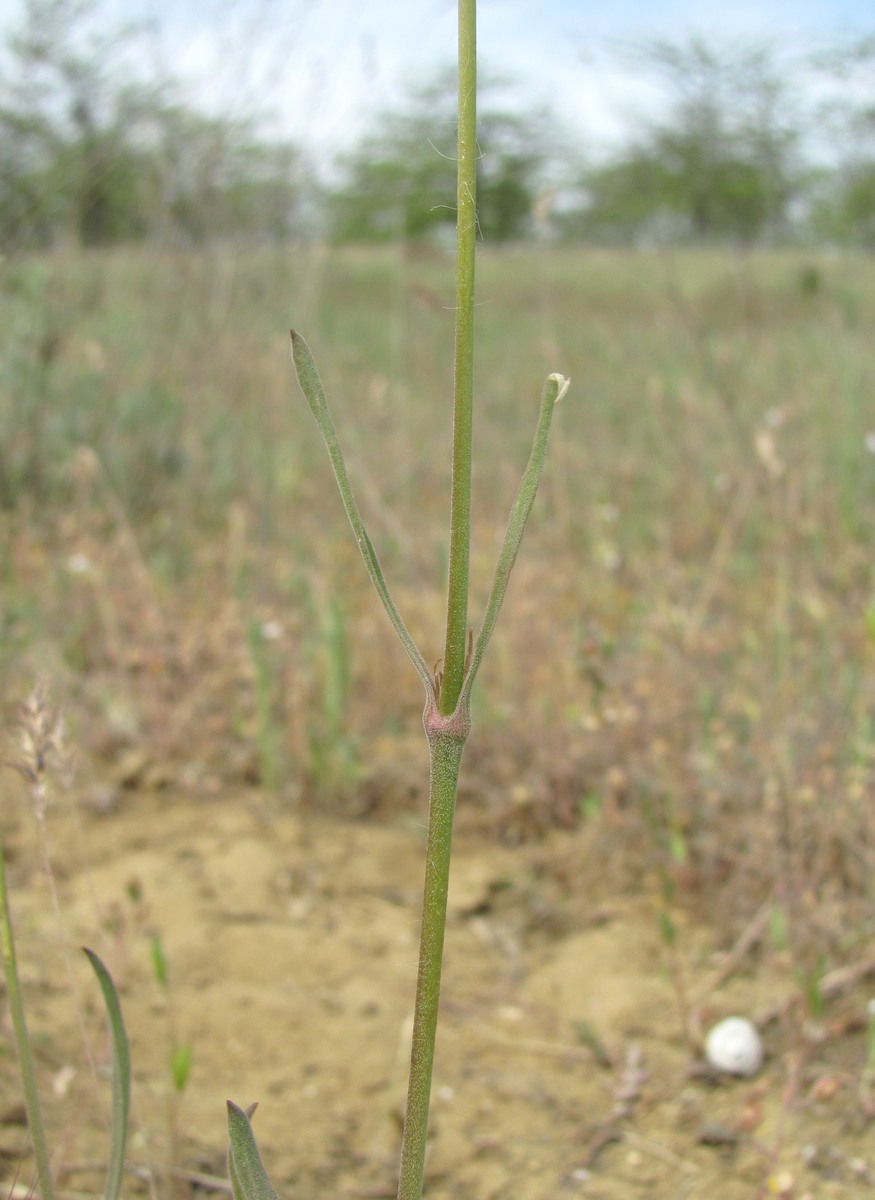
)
(564, 1065)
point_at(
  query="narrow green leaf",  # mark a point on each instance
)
(778, 928)
(314, 393)
(236, 1187)
(667, 928)
(159, 959)
(248, 1176)
(180, 1065)
(555, 388)
(121, 1078)
(589, 1035)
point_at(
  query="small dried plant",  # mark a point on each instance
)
(41, 746)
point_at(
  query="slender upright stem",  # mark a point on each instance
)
(447, 737)
(466, 235)
(22, 1041)
(447, 712)
(447, 729)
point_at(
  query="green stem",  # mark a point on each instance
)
(446, 740)
(446, 725)
(22, 1041)
(466, 235)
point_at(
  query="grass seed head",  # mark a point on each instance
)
(41, 743)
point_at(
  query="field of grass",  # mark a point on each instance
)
(684, 671)
(693, 613)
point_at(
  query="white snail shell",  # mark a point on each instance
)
(734, 1047)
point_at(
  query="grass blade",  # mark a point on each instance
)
(248, 1176)
(121, 1078)
(314, 393)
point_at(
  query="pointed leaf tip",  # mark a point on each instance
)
(121, 1078)
(249, 1179)
(314, 394)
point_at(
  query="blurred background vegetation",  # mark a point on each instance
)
(681, 703)
(749, 147)
(694, 615)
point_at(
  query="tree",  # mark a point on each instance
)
(217, 178)
(91, 154)
(722, 163)
(400, 179)
(67, 167)
(844, 211)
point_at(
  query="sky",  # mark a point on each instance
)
(318, 71)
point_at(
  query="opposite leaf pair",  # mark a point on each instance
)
(554, 389)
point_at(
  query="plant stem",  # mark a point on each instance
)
(446, 740)
(447, 712)
(447, 728)
(22, 1041)
(466, 234)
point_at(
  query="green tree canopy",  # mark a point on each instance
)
(67, 166)
(721, 163)
(844, 205)
(90, 153)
